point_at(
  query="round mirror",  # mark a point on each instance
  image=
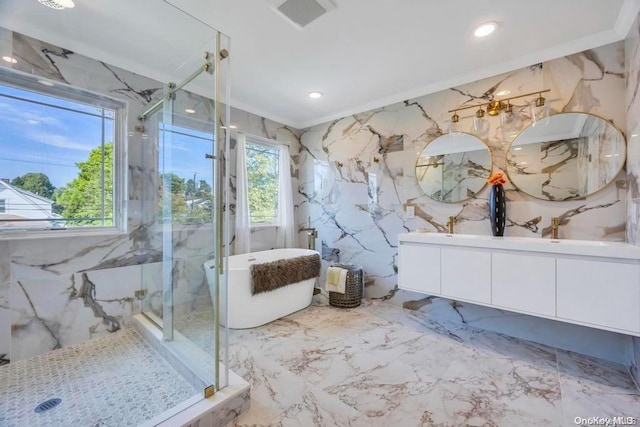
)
(572, 156)
(453, 167)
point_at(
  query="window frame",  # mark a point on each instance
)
(28, 82)
(269, 143)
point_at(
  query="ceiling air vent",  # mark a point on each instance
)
(302, 12)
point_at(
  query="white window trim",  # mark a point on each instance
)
(260, 140)
(25, 81)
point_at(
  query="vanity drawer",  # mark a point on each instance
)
(524, 282)
(419, 268)
(466, 273)
(599, 293)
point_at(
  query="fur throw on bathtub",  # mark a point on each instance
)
(273, 275)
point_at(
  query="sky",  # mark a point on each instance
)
(41, 138)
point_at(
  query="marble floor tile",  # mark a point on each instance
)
(319, 409)
(422, 320)
(381, 365)
(497, 345)
(387, 394)
(595, 374)
(579, 401)
(496, 392)
(273, 388)
(593, 387)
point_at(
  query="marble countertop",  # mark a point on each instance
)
(562, 246)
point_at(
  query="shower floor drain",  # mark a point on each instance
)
(47, 405)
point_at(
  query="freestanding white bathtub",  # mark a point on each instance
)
(249, 311)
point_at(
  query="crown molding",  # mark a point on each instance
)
(628, 13)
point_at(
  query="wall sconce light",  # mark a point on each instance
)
(455, 126)
(376, 159)
(539, 112)
(494, 108)
(538, 108)
(480, 125)
(338, 164)
(509, 123)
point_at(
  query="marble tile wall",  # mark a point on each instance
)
(358, 204)
(357, 207)
(61, 291)
(632, 62)
(65, 290)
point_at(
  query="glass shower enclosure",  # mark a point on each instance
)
(182, 287)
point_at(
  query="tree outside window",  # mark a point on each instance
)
(262, 177)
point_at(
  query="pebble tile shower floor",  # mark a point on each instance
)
(117, 380)
(381, 365)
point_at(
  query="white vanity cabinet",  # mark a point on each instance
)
(599, 293)
(524, 283)
(594, 284)
(466, 274)
(419, 267)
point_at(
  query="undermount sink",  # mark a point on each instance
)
(566, 241)
(581, 242)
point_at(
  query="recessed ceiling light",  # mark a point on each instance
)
(518, 148)
(58, 4)
(485, 29)
(9, 59)
(190, 111)
(45, 83)
(503, 92)
(233, 127)
(316, 94)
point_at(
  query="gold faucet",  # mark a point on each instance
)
(452, 220)
(554, 228)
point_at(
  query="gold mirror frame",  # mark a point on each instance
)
(609, 122)
(447, 134)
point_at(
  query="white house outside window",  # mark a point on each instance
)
(60, 156)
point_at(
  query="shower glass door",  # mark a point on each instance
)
(191, 222)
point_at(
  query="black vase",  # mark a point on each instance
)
(497, 209)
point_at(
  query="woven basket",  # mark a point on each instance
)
(354, 287)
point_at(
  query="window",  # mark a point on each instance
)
(59, 156)
(189, 174)
(263, 164)
(3, 205)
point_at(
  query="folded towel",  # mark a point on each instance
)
(333, 275)
(336, 279)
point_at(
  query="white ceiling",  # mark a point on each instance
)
(363, 54)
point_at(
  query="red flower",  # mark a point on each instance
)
(497, 178)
